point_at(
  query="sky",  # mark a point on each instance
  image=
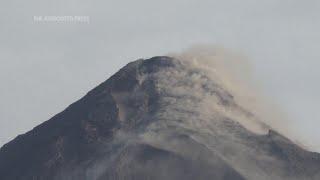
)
(45, 66)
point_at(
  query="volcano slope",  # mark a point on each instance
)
(159, 118)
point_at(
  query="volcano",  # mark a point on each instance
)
(156, 119)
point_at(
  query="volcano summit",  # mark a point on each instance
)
(159, 118)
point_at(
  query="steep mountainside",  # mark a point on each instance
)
(159, 118)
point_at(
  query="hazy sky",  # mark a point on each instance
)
(45, 66)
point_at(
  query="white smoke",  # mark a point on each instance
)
(234, 71)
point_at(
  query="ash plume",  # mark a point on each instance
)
(234, 71)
